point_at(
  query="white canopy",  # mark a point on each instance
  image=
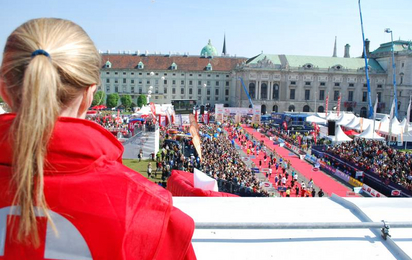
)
(363, 124)
(316, 119)
(384, 126)
(2, 110)
(353, 123)
(345, 119)
(368, 134)
(340, 136)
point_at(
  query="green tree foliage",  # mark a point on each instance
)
(112, 100)
(141, 100)
(98, 98)
(126, 101)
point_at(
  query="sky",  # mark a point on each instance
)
(293, 27)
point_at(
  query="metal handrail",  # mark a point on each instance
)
(302, 225)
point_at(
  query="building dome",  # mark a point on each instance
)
(209, 50)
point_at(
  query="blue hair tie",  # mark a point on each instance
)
(40, 52)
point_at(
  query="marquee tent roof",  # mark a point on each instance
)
(316, 119)
(339, 136)
(353, 123)
(345, 119)
(368, 134)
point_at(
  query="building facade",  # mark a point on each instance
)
(277, 82)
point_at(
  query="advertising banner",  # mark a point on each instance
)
(372, 192)
(354, 182)
(342, 176)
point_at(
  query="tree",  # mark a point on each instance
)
(126, 101)
(98, 98)
(141, 100)
(112, 100)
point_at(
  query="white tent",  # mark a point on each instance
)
(345, 119)
(2, 110)
(316, 119)
(368, 134)
(363, 124)
(353, 123)
(339, 136)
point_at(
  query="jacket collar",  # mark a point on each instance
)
(74, 146)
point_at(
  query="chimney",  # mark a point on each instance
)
(367, 42)
(347, 47)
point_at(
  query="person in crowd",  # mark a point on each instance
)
(149, 170)
(61, 172)
(320, 193)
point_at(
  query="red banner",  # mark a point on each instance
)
(339, 98)
(153, 108)
(327, 104)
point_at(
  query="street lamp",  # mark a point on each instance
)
(203, 96)
(149, 94)
(388, 30)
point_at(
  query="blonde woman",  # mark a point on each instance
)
(64, 192)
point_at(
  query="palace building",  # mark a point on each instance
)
(276, 82)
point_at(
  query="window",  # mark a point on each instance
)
(124, 81)
(116, 89)
(157, 74)
(208, 75)
(364, 96)
(115, 73)
(190, 75)
(199, 83)
(148, 74)
(174, 74)
(379, 96)
(140, 91)
(116, 81)
(124, 89)
(132, 89)
(379, 86)
(403, 64)
(107, 89)
(275, 94)
(365, 85)
(156, 82)
(293, 83)
(148, 82)
(165, 81)
(227, 92)
(217, 83)
(140, 82)
(174, 82)
(227, 83)
(216, 98)
(132, 81)
(307, 83)
(252, 89)
(107, 80)
(322, 94)
(208, 92)
(351, 85)
(182, 91)
(227, 76)
(350, 96)
(292, 94)
(200, 75)
(216, 92)
(107, 73)
(165, 90)
(322, 83)
(335, 95)
(124, 73)
(307, 94)
(199, 91)
(173, 91)
(208, 83)
(182, 82)
(165, 74)
(190, 91)
(140, 74)
(217, 76)
(190, 82)
(182, 74)
(337, 84)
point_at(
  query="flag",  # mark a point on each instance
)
(375, 108)
(391, 113)
(339, 98)
(314, 136)
(361, 124)
(153, 108)
(196, 115)
(327, 104)
(285, 125)
(408, 112)
(208, 117)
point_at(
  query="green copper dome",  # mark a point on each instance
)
(209, 50)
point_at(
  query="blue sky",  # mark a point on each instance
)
(295, 27)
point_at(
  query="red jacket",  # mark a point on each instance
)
(102, 209)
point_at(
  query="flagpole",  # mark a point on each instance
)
(374, 115)
(366, 65)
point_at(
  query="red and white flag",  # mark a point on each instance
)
(339, 98)
(327, 104)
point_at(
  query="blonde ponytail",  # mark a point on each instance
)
(39, 88)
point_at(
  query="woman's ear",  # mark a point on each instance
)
(87, 100)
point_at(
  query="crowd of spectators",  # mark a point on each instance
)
(222, 161)
(377, 157)
(113, 123)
